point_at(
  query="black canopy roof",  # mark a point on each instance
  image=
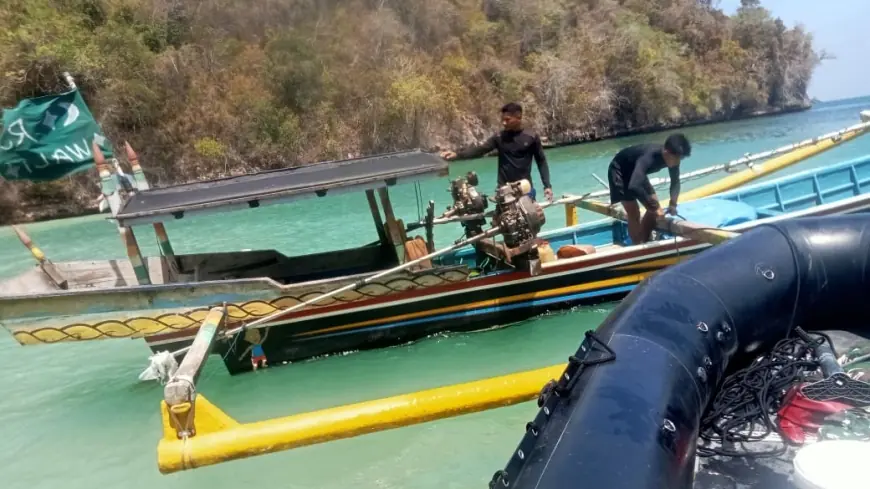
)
(286, 184)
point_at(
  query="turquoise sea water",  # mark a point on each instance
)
(74, 416)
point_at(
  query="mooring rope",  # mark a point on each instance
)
(743, 408)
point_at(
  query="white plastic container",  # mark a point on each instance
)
(545, 252)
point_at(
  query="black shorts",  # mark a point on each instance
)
(619, 191)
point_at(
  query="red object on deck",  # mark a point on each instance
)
(800, 415)
(573, 251)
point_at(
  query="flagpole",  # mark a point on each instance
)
(110, 187)
(70, 81)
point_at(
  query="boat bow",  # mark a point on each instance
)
(627, 410)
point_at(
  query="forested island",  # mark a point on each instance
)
(206, 88)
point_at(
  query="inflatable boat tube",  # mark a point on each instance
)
(626, 412)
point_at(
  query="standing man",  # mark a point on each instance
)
(629, 183)
(516, 147)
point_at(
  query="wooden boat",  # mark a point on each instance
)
(164, 299)
(662, 365)
(458, 300)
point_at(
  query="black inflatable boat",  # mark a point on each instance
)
(627, 412)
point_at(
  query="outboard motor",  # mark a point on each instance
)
(467, 201)
(519, 217)
(466, 198)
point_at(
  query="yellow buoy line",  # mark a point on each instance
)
(197, 433)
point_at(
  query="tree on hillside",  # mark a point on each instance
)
(228, 87)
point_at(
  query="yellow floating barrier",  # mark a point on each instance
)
(219, 438)
(772, 165)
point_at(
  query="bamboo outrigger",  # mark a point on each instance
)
(179, 394)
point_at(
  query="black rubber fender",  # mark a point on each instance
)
(632, 421)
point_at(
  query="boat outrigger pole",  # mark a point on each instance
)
(209, 436)
(214, 437)
(45, 264)
(682, 228)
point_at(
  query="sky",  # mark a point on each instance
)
(840, 28)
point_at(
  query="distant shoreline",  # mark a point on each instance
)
(670, 127)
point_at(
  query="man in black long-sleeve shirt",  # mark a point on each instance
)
(629, 182)
(516, 147)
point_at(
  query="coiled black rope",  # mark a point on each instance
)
(743, 409)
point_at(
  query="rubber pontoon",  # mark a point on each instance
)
(626, 412)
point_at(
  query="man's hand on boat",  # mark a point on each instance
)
(448, 155)
(671, 210)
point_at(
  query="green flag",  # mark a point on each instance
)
(49, 137)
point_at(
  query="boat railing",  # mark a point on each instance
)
(850, 173)
(677, 227)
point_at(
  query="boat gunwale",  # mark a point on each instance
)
(741, 191)
(268, 281)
